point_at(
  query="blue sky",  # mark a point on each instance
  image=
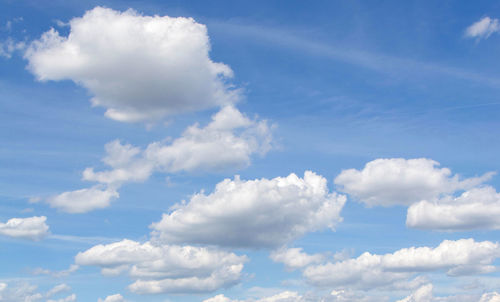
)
(157, 151)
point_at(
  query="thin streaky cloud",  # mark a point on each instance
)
(382, 63)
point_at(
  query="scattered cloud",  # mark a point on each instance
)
(295, 258)
(399, 181)
(477, 208)
(58, 274)
(261, 213)
(31, 228)
(490, 297)
(226, 143)
(9, 46)
(140, 68)
(425, 294)
(166, 268)
(29, 293)
(483, 28)
(83, 200)
(290, 296)
(368, 271)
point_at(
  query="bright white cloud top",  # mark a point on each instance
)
(399, 181)
(483, 28)
(369, 271)
(159, 268)
(140, 68)
(32, 228)
(261, 213)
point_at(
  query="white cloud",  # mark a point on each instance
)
(286, 296)
(29, 293)
(478, 208)
(490, 297)
(166, 268)
(255, 213)
(290, 296)
(83, 200)
(70, 298)
(20, 292)
(483, 28)
(461, 257)
(226, 143)
(424, 294)
(112, 298)
(32, 228)
(71, 269)
(137, 67)
(294, 258)
(58, 289)
(8, 47)
(398, 181)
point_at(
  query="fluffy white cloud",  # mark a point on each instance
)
(32, 228)
(255, 213)
(294, 258)
(478, 208)
(137, 67)
(166, 268)
(483, 28)
(461, 257)
(398, 181)
(83, 200)
(226, 143)
(490, 297)
(112, 298)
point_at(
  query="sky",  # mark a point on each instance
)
(249, 151)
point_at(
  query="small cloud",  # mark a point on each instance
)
(34, 199)
(483, 28)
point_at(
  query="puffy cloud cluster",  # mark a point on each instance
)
(399, 181)
(137, 67)
(31, 228)
(166, 268)
(483, 28)
(478, 208)
(227, 142)
(261, 213)
(429, 191)
(461, 257)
